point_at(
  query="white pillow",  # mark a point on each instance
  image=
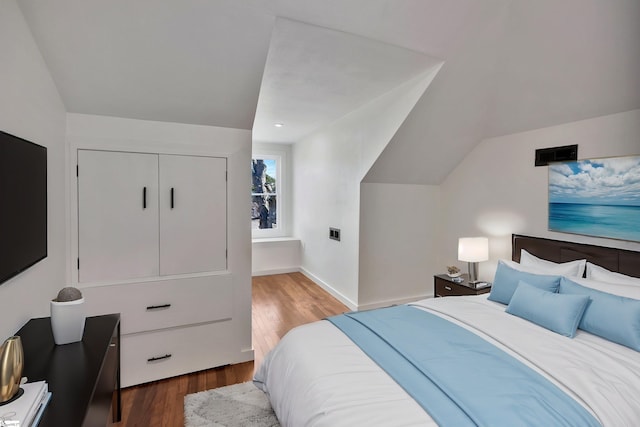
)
(601, 274)
(628, 291)
(526, 268)
(569, 269)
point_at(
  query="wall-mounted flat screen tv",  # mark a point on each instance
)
(23, 205)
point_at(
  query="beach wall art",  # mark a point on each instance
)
(596, 197)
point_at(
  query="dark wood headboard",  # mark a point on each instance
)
(618, 260)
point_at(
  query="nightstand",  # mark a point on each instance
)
(444, 286)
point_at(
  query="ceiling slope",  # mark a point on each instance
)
(314, 76)
(509, 65)
(187, 61)
(201, 62)
(433, 27)
(536, 64)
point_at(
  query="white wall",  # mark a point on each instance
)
(328, 167)
(326, 194)
(275, 256)
(31, 108)
(110, 133)
(497, 191)
(398, 231)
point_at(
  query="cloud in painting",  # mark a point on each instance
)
(612, 181)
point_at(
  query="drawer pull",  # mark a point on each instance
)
(447, 288)
(155, 359)
(158, 307)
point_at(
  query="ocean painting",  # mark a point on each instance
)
(597, 197)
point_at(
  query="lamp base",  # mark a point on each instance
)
(19, 393)
(473, 273)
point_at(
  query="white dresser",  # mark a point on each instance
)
(152, 246)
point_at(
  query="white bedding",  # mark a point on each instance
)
(316, 376)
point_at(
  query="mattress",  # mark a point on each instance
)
(316, 376)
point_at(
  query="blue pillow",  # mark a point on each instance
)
(609, 316)
(506, 281)
(556, 312)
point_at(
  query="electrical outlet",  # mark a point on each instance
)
(334, 233)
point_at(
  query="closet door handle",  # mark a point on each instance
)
(172, 197)
(144, 197)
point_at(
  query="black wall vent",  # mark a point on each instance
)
(544, 156)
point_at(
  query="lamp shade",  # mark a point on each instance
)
(473, 249)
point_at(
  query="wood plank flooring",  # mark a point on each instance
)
(280, 303)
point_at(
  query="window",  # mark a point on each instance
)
(265, 191)
(270, 190)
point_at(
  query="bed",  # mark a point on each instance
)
(565, 355)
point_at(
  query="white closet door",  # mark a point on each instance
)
(193, 223)
(117, 227)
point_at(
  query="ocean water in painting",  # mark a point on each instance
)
(596, 197)
(612, 221)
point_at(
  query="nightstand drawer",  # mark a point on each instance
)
(445, 287)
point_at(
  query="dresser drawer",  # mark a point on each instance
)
(161, 304)
(154, 355)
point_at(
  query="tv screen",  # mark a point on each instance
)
(23, 205)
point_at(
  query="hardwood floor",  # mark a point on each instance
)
(280, 303)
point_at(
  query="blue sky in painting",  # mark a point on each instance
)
(611, 181)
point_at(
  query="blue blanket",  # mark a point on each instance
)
(457, 377)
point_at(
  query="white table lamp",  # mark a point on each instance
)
(473, 250)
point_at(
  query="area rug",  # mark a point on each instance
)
(238, 405)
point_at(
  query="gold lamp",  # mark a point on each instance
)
(11, 364)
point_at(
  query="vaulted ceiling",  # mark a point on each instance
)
(534, 64)
(509, 66)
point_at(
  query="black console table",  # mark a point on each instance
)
(83, 377)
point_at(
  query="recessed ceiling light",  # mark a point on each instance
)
(278, 125)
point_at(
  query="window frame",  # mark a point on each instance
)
(280, 156)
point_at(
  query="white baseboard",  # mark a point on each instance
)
(343, 299)
(339, 296)
(275, 271)
(387, 303)
(247, 354)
